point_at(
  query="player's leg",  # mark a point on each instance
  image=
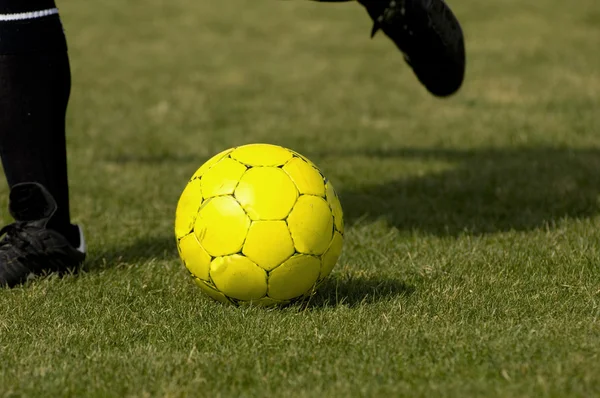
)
(34, 91)
(428, 34)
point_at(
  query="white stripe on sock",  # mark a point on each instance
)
(28, 15)
(82, 245)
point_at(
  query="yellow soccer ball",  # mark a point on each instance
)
(259, 224)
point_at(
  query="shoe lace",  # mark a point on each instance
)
(18, 235)
(26, 248)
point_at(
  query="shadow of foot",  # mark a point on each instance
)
(487, 190)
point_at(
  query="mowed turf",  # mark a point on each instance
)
(472, 257)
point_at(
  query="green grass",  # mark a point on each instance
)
(472, 257)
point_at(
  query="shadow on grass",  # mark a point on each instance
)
(484, 191)
(160, 247)
(351, 291)
(347, 290)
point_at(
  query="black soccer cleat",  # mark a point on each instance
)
(28, 247)
(429, 36)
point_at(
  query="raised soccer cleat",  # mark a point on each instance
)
(28, 247)
(429, 36)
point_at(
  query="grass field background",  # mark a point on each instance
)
(472, 257)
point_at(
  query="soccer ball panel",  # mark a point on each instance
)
(294, 278)
(308, 179)
(210, 163)
(268, 243)
(311, 225)
(222, 178)
(195, 258)
(261, 155)
(336, 207)
(221, 226)
(187, 208)
(329, 259)
(266, 193)
(211, 292)
(238, 277)
(301, 156)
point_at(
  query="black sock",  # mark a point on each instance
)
(35, 84)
